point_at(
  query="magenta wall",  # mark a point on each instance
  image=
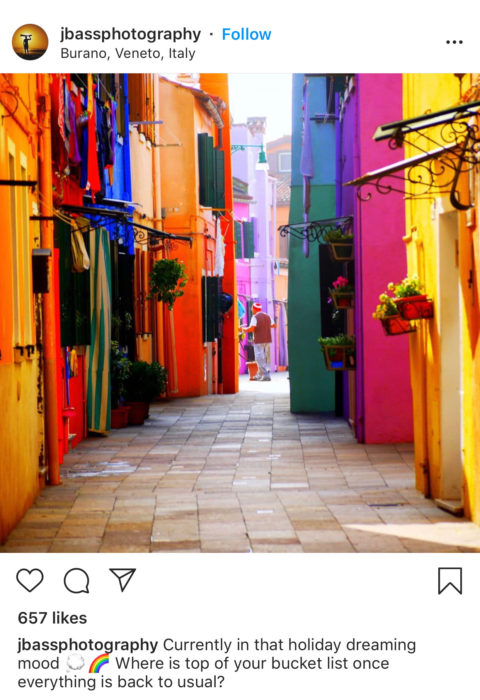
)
(382, 383)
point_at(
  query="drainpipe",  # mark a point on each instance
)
(158, 330)
(48, 299)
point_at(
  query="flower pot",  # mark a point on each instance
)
(252, 370)
(138, 412)
(339, 358)
(414, 308)
(342, 300)
(341, 251)
(396, 325)
(119, 417)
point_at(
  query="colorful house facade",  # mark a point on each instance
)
(342, 113)
(312, 387)
(439, 179)
(24, 338)
(256, 234)
(197, 202)
(442, 249)
(378, 225)
(79, 245)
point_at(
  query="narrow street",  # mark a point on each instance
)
(238, 473)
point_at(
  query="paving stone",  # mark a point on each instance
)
(238, 473)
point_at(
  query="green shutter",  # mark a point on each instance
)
(219, 179)
(74, 292)
(210, 308)
(206, 170)
(238, 239)
(211, 165)
(248, 245)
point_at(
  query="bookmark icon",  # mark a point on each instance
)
(450, 576)
(124, 576)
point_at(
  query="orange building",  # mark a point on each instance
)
(196, 201)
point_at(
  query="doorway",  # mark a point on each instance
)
(449, 317)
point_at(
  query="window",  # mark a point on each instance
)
(211, 314)
(248, 242)
(285, 162)
(238, 239)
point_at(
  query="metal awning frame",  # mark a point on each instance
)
(123, 218)
(314, 231)
(435, 171)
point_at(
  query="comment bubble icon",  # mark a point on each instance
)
(76, 581)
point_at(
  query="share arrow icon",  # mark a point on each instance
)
(124, 576)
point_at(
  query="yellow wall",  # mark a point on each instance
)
(21, 429)
(426, 237)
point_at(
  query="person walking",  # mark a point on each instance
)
(261, 326)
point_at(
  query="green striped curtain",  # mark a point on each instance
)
(98, 353)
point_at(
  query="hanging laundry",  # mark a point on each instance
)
(74, 150)
(94, 183)
(112, 106)
(82, 131)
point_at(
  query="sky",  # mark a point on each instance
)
(262, 95)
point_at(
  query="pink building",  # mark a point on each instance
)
(380, 391)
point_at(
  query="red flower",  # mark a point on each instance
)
(340, 282)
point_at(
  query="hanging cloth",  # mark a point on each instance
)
(80, 259)
(93, 175)
(98, 353)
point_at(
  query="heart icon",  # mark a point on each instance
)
(29, 579)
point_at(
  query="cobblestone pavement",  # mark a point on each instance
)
(238, 474)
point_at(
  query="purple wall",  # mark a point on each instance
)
(255, 277)
(382, 382)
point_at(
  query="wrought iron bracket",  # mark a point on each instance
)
(120, 225)
(314, 231)
(448, 147)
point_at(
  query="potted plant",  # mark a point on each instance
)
(388, 315)
(340, 243)
(167, 280)
(145, 382)
(342, 293)
(411, 302)
(120, 367)
(338, 352)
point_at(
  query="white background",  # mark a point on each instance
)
(275, 596)
(371, 36)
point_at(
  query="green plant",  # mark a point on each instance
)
(408, 287)
(337, 235)
(145, 381)
(120, 368)
(338, 340)
(167, 280)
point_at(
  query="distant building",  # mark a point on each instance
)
(255, 231)
(279, 156)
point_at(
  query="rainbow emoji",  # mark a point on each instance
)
(97, 663)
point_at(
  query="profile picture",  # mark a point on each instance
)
(30, 42)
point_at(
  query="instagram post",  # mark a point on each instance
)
(239, 323)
